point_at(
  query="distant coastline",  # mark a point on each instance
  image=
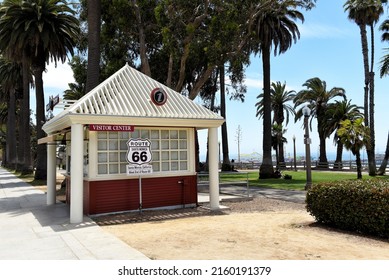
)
(255, 157)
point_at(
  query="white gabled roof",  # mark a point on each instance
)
(124, 98)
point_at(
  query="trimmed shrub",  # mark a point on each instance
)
(356, 205)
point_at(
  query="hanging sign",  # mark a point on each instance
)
(139, 156)
(158, 96)
(53, 100)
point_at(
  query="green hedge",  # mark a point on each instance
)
(356, 205)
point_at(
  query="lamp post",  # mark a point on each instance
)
(294, 153)
(307, 142)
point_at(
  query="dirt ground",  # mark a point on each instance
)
(258, 229)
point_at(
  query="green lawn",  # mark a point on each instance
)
(296, 183)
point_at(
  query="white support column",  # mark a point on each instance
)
(51, 173)
(76, 174)
(213, 150)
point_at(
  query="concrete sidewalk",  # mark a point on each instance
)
(31, 230)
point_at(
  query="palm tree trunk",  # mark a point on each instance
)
(93, 18)
(226, 166)
(20, 133)
(339, 151)
(372, 162)
(384, 163)
(323, 162)
(371, 149)
(279, 119)
(365, 54)
(25, 166)
(281, 156)
(359, 165)
(367, 104)
(41, 151)
(266, 169)
(11, 133)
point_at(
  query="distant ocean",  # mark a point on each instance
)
(331, 156)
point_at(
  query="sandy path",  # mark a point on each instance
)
(290, 234)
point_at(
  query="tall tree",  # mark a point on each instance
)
(47, 30)
(357, 11)
(18, 52)
(145, 67)
(376, 10)
(276, 28)
(226, 166)
(318, 98)
(335, 113)
(355, 135)
(384, 70)
(384, 63)
(11, 78)
(367, 13)
(179, 43)
(94, 25)
(280, 99)
(200, 36)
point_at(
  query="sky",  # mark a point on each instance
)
(329, 48)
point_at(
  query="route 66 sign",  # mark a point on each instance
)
(139, 151)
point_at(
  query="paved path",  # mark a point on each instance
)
(229, 191)
(31, 230)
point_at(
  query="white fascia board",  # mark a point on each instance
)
(142, 121)
(57, 124)
(69, 119)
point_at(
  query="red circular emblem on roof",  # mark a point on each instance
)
(158, 96)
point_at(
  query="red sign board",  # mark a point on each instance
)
(111, 127)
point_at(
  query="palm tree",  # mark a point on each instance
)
(280, 107)
(11, 77)
(335, 113)
(354, 135)
(275, 27)
(367, 13)
(18, 53)
(384, 69)
(318, 99)
(44, 30)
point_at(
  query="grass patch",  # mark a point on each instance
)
(297, 182)
(29, 178)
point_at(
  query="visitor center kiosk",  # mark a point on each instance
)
(130, 144)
